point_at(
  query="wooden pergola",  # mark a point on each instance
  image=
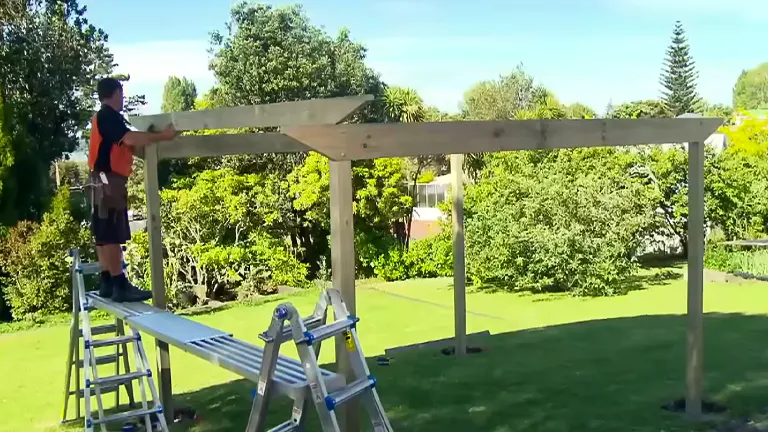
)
(316, 125)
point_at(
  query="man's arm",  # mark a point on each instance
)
(137, 140)
(113, 128)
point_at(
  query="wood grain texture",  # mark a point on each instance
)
(308, 112)
(368, 141)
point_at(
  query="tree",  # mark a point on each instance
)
(403, 105)
(751, 89)
(273, 54)
(179, 94)
(511, 96)
(679, 76)
(639, 109)
(565, 220)
(579, 111)
(50, 60)
(716, 110)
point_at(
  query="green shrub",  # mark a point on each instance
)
(562, 221)
(426, 258)
(35, 258)
(223, 272)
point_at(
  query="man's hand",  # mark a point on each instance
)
(169, 132)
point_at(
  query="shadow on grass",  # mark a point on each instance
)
(607, 375)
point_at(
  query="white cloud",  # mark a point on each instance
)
(151, 63)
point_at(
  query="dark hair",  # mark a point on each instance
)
(107, 87)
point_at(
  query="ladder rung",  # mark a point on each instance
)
(100, 360)
(286, 426)
(310, 323)
(127, 415)
(104, 390)
(96, 343)
(328, 330)
(349, 392)
(100, 330)
(120, 379)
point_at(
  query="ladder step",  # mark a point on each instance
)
(120, 379)
(96, 343)
(127, 415)
(286, 426)
(310, 323)
(349, 392)
(105, 359)
(104, 390)
(100, 330)
(329, 330)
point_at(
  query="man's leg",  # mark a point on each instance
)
(122, 290)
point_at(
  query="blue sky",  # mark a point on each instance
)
(590, 51)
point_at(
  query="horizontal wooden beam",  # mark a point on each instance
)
(188, 146)
(369, 141)
(307, 112)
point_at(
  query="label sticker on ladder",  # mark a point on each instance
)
(316, 392)
(262, 387)
(296, 413)
(349, 341)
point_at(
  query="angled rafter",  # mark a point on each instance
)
(368, 141)
(307, 112)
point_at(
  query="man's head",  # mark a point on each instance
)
(110, 93)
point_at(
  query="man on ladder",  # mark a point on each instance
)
(110, 159)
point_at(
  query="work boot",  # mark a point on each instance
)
(105, 285)
(124, 292)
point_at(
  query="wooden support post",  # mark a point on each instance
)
(154, 224)
(459, 271)
(343, 269)
(694, 364)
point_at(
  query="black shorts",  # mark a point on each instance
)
(109, 215)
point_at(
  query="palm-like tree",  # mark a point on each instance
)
(403, 105)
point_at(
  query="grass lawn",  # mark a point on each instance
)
(553, 363)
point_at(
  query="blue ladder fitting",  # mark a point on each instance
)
(354, 320)
(159, 409)
(281, 313)
(149, 373)
(87, 344)
(309, 337)
(373, 380)
(138, 337)
(89, 423)
(330, 403)
(84, 307)
(79, 269)
(87, 383)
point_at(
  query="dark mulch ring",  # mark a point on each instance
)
(755, 423)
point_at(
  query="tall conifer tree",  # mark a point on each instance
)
(679, 76)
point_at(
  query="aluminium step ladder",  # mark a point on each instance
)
(97, 386)
(287, 321)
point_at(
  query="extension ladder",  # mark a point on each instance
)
(95, 385)
(308, 346)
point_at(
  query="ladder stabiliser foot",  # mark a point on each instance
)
(349, 392)
(329, 330)
(128, 415)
